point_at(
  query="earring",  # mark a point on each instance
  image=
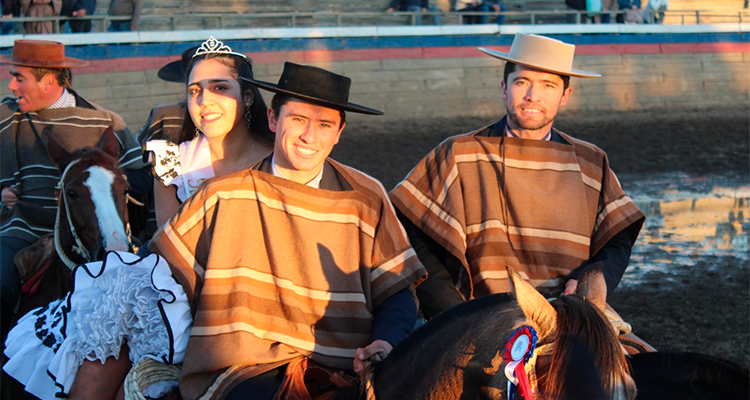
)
(248, 115)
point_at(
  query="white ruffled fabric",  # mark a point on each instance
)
(185, 166)
(122, 299)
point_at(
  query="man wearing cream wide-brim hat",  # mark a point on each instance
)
(517, 192)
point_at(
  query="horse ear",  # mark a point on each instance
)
(534, 305)
(109, 142)
(57, 152)
(593, 287)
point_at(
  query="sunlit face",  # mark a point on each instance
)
(305, 136)
(32, 95)
(533, 98)
(215, 100)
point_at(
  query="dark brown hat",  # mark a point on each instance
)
(315, 85)
(175, 71)
(40, 54)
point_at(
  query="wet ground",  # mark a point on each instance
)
(688, 284)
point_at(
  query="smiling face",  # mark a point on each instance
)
(33, 95)
(215, 100)
(532, 98)
(305, 136)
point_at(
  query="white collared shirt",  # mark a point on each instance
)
(315, 182)
(66, 100)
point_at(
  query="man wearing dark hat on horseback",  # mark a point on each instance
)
(45, 105)
(296, 262)
(518, 193)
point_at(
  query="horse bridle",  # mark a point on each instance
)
(78, 247)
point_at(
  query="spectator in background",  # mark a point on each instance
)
(414, 6)
(633, 12)
(656, 10)
(131, 8)
(594, 5)
(40, 8)
(78, 8)
(497, 6)
(608, 5)
(480, 6)
(9, 9)
(575, 5)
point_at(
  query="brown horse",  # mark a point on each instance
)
(458, 354)
(91, 220)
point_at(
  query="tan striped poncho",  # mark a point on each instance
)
(275, 269)
(560, 205)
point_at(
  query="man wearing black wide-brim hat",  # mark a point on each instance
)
(518, 192)
(43, 105)
(298, 261)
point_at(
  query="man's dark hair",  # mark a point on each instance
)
(63, 76)
(510, 67)
(279, 99)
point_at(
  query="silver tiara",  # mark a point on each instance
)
(213, 46)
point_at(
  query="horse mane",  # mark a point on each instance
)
(581, 322)
(470, 311)
(88, 156)
(485, 316)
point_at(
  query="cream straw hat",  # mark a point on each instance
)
(542, 53)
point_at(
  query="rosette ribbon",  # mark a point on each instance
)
(519, 348)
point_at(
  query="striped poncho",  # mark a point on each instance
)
(275, 270)
(539, 206)
(164, 122)
(25, 165)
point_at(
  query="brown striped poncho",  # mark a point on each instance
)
(275, 270)
(539, 206)
(25, 164)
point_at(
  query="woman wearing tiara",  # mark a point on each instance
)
(127, 308)
(227, 129)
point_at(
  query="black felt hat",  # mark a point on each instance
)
(175, 71)
(315, 85)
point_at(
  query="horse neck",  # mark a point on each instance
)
(466, 340)
(579, 322)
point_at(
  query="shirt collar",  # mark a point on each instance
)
(315, 182)
(66, 100)
(509, 133)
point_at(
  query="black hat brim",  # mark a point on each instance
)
(172, 72)
(337, 106)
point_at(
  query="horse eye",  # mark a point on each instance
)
(71, 194)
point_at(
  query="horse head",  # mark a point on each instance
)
(92, 215)
(568, 322)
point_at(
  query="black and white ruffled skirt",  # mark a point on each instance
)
(124, 299)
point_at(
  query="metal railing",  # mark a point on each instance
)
(341, 19)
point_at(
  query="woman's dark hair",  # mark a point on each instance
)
(241, 67)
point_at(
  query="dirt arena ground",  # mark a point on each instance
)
(704, 312)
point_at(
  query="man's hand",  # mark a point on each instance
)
(389, 9)
(9, 197)
(367, 352)
(80, 13)
(570, 286)
(496, 7)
